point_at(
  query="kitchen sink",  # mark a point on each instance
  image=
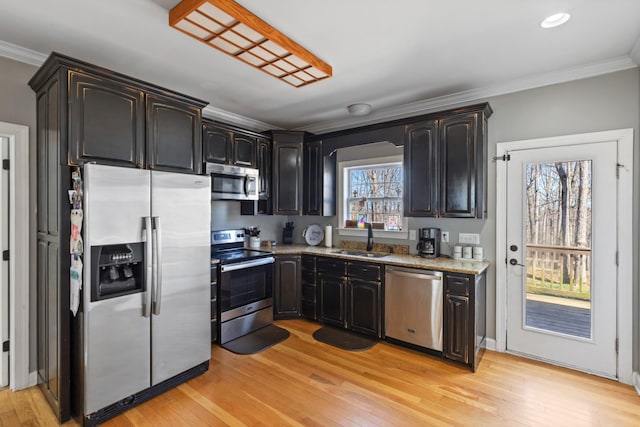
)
(360, 253)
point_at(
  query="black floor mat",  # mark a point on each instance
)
(343, 339)
(257, 341)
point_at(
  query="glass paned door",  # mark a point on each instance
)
(558, 248)
(561, 255)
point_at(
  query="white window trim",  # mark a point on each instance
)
(341, 186)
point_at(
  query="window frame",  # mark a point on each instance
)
(343, 186)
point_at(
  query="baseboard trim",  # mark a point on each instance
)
(490, 344)
(33, 378)
(636, 381)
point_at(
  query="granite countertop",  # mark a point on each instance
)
(412, 261)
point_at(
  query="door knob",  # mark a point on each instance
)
(514, 261)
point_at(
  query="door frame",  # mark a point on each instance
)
(624, 302)
(19, 284)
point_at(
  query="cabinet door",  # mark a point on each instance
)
(217, 143)
(421, 169)
(244, 151)
(313, 183)
(263, 163)
(458, 162)
(457, 327)
(174, 135)
(332, 300)
(106, 121)
(287, 176)
(287, 290)
(364, 306)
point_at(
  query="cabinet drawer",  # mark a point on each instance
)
(369, 272)
(331, 266)
(458, 285)
(308, 263)
(308, 292)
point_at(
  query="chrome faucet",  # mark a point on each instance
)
(369, 237)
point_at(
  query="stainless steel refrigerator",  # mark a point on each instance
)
(146, 292)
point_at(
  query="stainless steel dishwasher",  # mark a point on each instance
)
(413, 306)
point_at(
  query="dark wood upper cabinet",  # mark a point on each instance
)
(445, 165)
(228, 145)
(107, 121)
(174, 135)
(287, 176)
(244, 151)
(458, 145)
(319, 195)
(217, 143)
(263, 163)
(421, 169)
(312, 178)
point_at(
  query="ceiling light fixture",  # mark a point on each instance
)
(231, 28)
(555, 20)
(360, 109)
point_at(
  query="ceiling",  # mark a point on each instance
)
(403, 57)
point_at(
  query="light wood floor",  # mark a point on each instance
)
(303, 382)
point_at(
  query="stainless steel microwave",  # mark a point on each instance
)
(233, 182)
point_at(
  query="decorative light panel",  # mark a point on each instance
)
(229, 27)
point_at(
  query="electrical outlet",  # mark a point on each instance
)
(444, 237)
(469, 238)
(412, 235)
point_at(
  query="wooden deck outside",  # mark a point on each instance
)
(561, 318)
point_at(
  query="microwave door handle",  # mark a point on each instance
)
(157, 252)
(148, 251)
(246, 185)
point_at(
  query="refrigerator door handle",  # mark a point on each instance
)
(148, 250)
(157, 251)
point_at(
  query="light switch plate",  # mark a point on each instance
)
(412, 235)
(469, 238)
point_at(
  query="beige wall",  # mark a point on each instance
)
(18, 106)
(601, 103)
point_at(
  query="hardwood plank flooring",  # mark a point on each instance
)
(301, 382)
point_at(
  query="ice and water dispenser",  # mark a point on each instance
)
(117, 270)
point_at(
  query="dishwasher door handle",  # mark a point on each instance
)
(424, 276)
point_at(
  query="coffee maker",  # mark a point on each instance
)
(428, 242)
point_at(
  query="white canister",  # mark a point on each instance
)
(466, 252)
(478, 252)
(254, 242)
(328, 235)
(457, 251)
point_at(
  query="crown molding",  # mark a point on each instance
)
(19, 53)
(449, 101)
(230, 118)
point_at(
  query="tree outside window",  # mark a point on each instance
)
(374, 194)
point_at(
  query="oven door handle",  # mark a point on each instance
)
(247, 264)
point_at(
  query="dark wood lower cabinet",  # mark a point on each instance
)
(364, 307)
(350, 295)
(464, 318)
(287, 287)
(457, 311)
(332, 299)
(309, 288)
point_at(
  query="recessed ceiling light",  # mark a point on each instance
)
(555, 20)
(359, 109)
